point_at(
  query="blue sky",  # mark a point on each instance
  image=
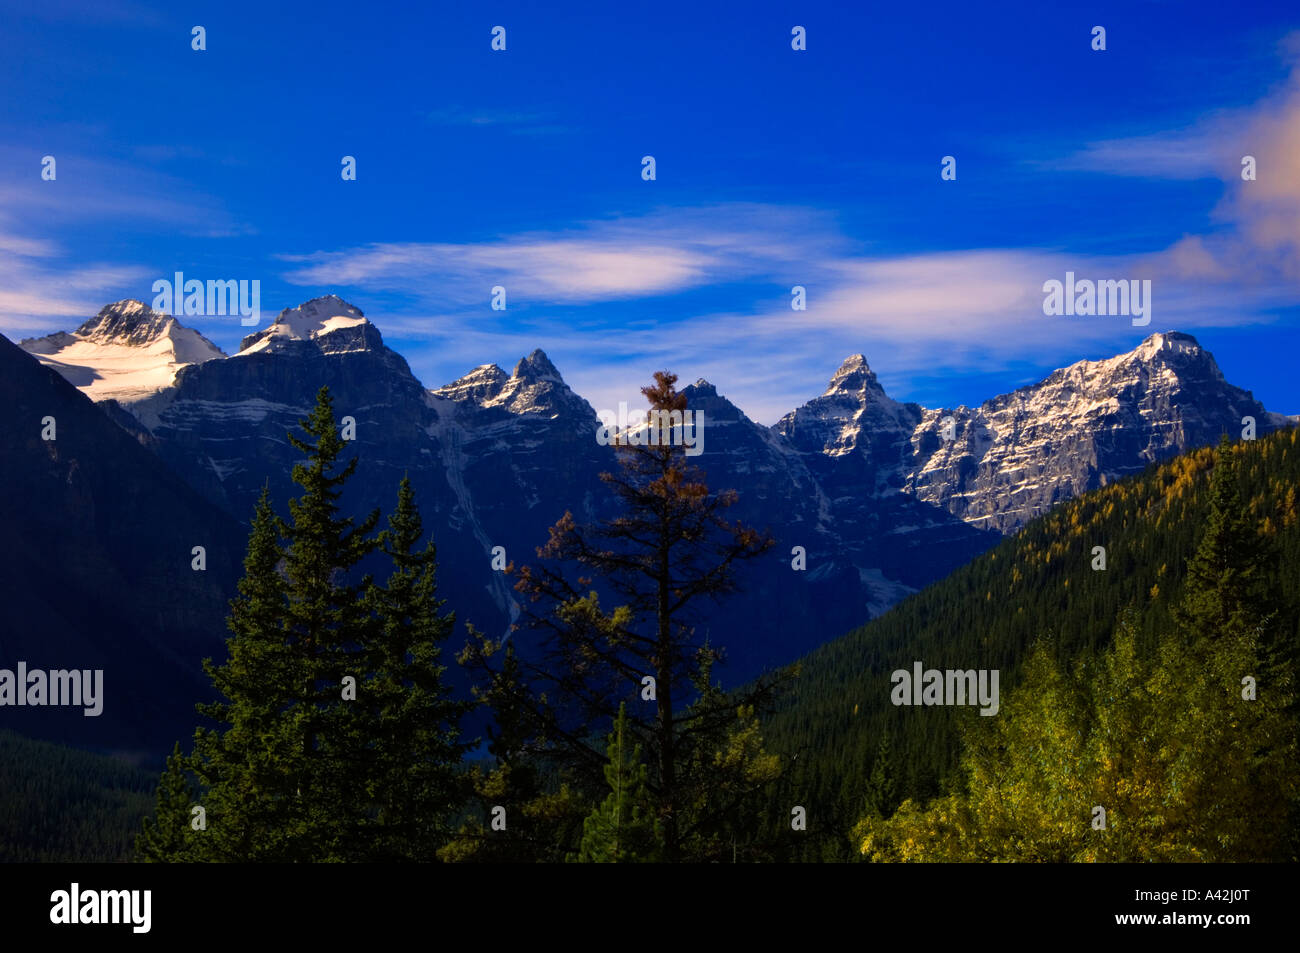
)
(775, 168)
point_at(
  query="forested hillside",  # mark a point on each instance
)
(852, 751)
(60, 804)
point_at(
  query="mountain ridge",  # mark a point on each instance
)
(882, 497)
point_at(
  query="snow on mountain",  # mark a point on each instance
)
(328, 316)
(126, 352)
(1088, 424)
(994, 466)
(535, 387)
(855, 419)
(480, 385)
(1019, 454)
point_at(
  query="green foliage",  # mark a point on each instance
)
(1185, 767)
(882, 789)
(623, 828)
(543, 814)
(1227, 578)
(165, 836)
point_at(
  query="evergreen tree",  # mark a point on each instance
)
(881, 786)
(165, 837)
(328, 623)
(726, 771)
(622, 829)
(249, 769)
(412, 718)
(1226, 589)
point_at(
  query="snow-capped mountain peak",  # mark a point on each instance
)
(312, 321)
(126, 352)
(1178, 350)
(851, 416)
(125, 322)
(1168, 342)
(535, 387)
(1017, 455)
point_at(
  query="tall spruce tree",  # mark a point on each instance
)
(329, 622)
(416, 783)
(282, 776)
(882, 787)
(249, 768)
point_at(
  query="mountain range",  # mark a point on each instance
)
(884, 496)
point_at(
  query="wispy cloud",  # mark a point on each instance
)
(95, 189)
(1253, 234)
(513, 121)
(914, 315)
(661, 253)
(39, 291)
(1194, 153)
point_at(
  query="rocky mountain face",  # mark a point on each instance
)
(876, 497)
(98, 570)
(1016, 456)
(997, 466)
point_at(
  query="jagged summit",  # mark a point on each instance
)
(1167, 338)
(480, 384)
(854, 376)
(854, 416)
(536, 386)
(484, 372)
(852, 363)
(1159, 355)
(312, 321)
(126, 322)
(1017, 455)
(537, 367)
